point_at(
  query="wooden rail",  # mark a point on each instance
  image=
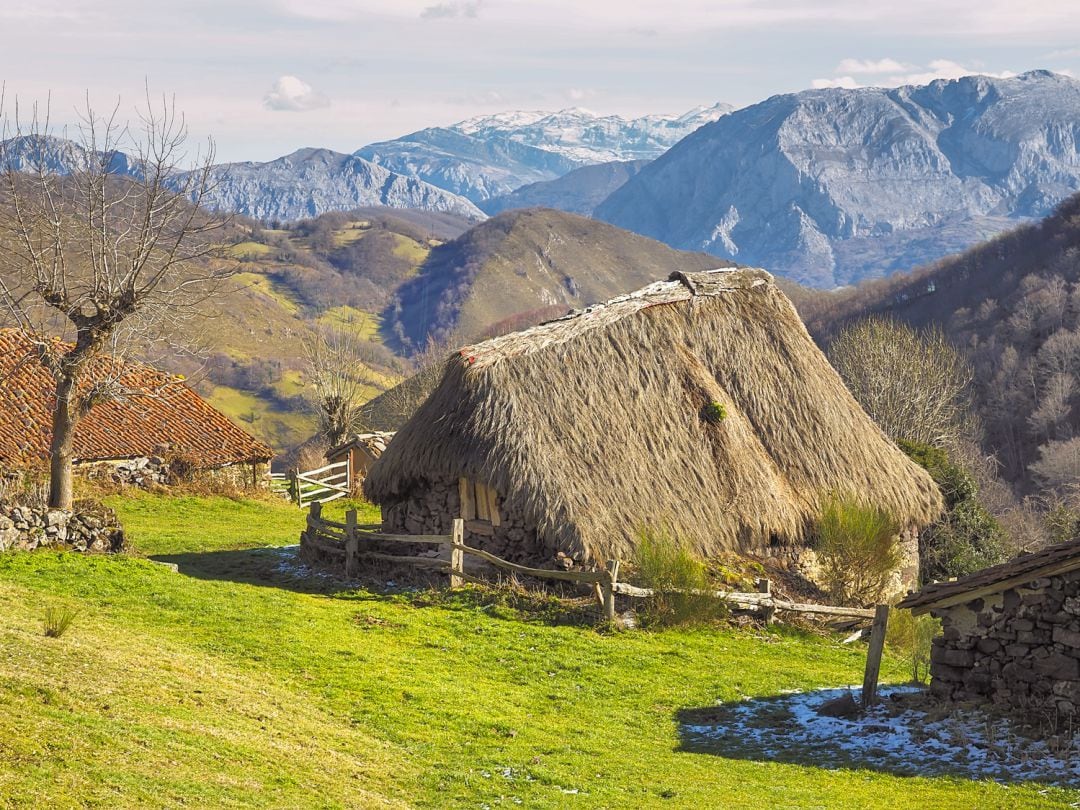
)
(353, 541)
(321, 485)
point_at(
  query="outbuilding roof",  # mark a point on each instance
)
(157, 410)
(1057, 559)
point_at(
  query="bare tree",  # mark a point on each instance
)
(913, 384)
(340, 381)
(103, 248)
(396, 406)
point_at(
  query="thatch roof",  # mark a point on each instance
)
(159, 411)
(593, 424)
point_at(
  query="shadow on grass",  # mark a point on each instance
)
(907, 734)
(274, 567)
(282, 567)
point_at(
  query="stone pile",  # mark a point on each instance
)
(89, 527)
(139, 472)
(1019, 648)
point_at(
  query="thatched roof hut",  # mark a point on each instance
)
(699, 404)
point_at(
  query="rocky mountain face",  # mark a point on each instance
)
(832, 186)
(579, 192)
(307, 183)
(490, 156)
(31, 153)
(310, 182)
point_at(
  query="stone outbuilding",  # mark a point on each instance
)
(698, 405)
(1010, 633)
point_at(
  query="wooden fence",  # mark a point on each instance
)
(315, 486)
(352, 541)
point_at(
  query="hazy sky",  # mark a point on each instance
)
(265, 77)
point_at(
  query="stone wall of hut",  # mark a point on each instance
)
(432, 506)
(1019, 649)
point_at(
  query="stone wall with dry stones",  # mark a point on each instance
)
(1019, 649)
(89, 527)
(432, 506)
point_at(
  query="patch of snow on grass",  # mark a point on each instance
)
(906, 733)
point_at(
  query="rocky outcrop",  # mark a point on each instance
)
(832, 186)
(89, 527)
(1019, 649)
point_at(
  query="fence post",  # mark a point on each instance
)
(612, 568)
(873, 655)
(352, 543)
(457, 554)
(768, 612)
(294, 486)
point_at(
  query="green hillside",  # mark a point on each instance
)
(337, 270)
(238, 683)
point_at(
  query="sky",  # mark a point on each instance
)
(267, 77)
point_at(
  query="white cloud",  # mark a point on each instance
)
(291, 94)
(846, 82)
(890, 73)
(944, 69)
(455, 8)
(848, 67)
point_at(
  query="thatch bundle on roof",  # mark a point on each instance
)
(595, 425)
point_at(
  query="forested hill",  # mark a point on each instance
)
(523, 266)
(1013, 304)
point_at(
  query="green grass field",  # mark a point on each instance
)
(239, 683)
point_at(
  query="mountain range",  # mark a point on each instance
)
(490, 156)
(832, 186)
(827, 187)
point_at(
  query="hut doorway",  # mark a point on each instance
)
(479, 503)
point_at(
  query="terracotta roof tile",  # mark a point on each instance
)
(134, 426)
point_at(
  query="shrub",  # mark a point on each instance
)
(715, 412)
(859, 549)
(57, 620)
(966, 537)
(911, 637)
(678, 579)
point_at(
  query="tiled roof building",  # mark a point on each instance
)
(158, 411)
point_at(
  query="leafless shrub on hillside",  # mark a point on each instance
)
(913, 384)
(105, 252)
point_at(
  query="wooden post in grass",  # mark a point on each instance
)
(457, 554)
(352, 543)
(873, 655)
(768, 612)
(612, 568)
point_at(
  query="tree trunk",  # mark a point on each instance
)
(61, 451)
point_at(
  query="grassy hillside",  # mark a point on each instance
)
(238, 683)
(526, 261)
